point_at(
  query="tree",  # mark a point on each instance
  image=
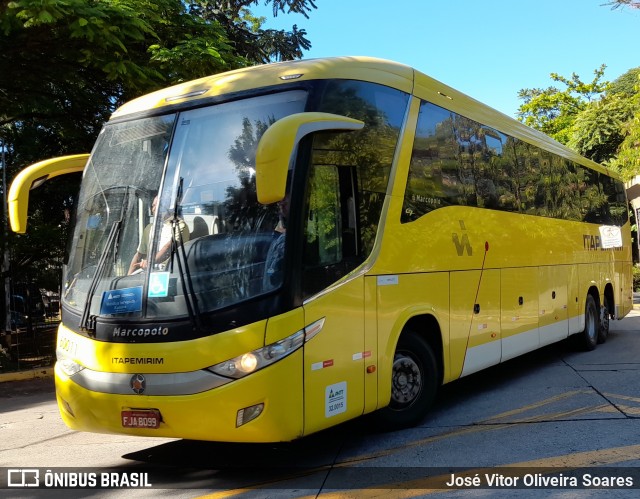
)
(625, 84)
(599, 129)
(65, 65)
(553, 111)
(615, 4)
(60, 53)
(246, 34)
(628, 159)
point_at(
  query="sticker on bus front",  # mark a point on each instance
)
(121, 301)
(335, 399)
(158, 285)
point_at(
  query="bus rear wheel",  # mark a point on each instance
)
(605, 312)
(588, 339)
(414, 383)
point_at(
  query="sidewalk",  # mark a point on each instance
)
(39, 372)
(32, 352)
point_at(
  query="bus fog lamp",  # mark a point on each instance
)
(67, 407)
(248, 414)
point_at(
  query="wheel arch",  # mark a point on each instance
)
(415, 371)
(427, 327)
(610, 295)
(595, 293)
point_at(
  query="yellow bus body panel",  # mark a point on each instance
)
(401, 297)
(518, 261)
(357, 68)
(335, 359)
(179, 356)
(210, 415)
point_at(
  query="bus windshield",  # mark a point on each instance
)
(168, 210)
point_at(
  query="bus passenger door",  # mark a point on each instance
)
(553, 321)
(334, 359)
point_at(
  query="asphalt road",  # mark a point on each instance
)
(555, 414)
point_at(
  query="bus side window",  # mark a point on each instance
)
(323, 242)
(332, 244)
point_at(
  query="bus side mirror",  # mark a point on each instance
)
(278, 145)
(34, 176)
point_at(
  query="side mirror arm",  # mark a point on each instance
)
(278, 145)
(34, 176)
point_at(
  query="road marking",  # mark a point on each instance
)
(420, 487)
(425, 486)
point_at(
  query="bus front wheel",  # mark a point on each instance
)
(414, 383)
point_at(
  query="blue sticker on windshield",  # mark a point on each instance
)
(158, 285)
(121, 301)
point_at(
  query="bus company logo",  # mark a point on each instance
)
(138, 383)
(139, 332)
(462, 244)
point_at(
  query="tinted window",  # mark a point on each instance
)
(348, 178)
(458, 161)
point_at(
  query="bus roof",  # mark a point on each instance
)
(371, 69)
(358, 68)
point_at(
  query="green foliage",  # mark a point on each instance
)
(628, 159)
(636, 277)
(625, 84)
(245, 32)
(599, 120)
(598, 130)
(552, 110)
(65, 65)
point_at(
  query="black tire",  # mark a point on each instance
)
(588, 338)
(605, 312)
(414, 383)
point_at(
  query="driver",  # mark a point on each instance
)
(139, 261)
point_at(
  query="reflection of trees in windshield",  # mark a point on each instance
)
(227, 262)
(127, 160)
(369, 151)
(241, 207)
(458, 161)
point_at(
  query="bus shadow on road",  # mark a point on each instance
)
(301, 464)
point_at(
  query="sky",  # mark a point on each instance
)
(487, 49)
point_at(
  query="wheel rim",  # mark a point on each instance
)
(406, 382)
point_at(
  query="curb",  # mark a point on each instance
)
(41, 372)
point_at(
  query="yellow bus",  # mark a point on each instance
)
(265, 253)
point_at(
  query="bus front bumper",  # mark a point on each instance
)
(275, 393)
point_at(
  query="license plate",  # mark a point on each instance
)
(141, 418)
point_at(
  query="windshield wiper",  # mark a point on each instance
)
(177, 247)
(88, 321)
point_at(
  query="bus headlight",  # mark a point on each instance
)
(251, 362)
